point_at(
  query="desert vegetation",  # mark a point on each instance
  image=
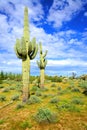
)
(58, 105)
(41, 102)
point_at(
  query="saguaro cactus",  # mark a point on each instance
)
(26, 50)
(42, 64)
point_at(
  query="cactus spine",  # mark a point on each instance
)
(26, 50)
(42, 64)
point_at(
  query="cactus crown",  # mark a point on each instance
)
(43, 62)
(24, 47)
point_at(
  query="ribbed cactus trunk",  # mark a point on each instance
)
(42, 64)
(42, 77)
(25, 79)
(26, 50)
(26, 63)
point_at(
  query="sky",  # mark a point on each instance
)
(61, 26)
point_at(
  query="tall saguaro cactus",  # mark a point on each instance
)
(26, 50)
(42, 64)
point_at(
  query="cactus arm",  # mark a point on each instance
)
(44, 55)
(18, 55)
(29, 48)
(23, 47)
(45, 63)
(34, 52)
(18, 47)
(40, 46)
(38, 63)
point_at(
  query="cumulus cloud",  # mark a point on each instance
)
(85, 14)
(64, 47)
(67, 62)
(64, 10)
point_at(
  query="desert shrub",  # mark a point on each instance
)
(1, 86)
(78, 101)
(75, 89)
(73, 108)
(65, 91)
(85, 92)
(38, 93)
(45, 95)
(59, 79)
(53, 85)
(1, 81)
(15, 97)
(1, 121)
(18, 88)
(6, 90)
(54, 100)
(12, 87)
(44, 89)
(71, 83)
(19, 106)
(68, 107)
(25, 125)
(83, 84)
(59, 88)
(44, 115)
(33, 99)
(2, 98)
(53, 89)
(34, 88)
(69, 87)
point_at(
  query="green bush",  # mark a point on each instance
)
(33, 99)
(65, 91)
(2, 98)
(59, 79)
(44, 115)
(78, 101)
(85, 92)
(18, 88)
(38, 93)
(1, 86)
(45, 95)
(75, 90)
(34, 88)
(25, 125)
(53, 85)
(1, 121)
(68, 107)
(54, 100)
(72, 84)
(1, 81)
(59, 88)
(83, 84)
(15, 97)
(6, 90)
(69, 87)
(12, 87)
(44, 89)
(19, 106)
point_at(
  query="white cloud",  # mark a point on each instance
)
(60, 45)
(85, 14)
(67, 62)
(62, 11)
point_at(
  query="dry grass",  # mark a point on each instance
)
(13, 118)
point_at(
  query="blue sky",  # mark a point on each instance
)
(61, 26)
